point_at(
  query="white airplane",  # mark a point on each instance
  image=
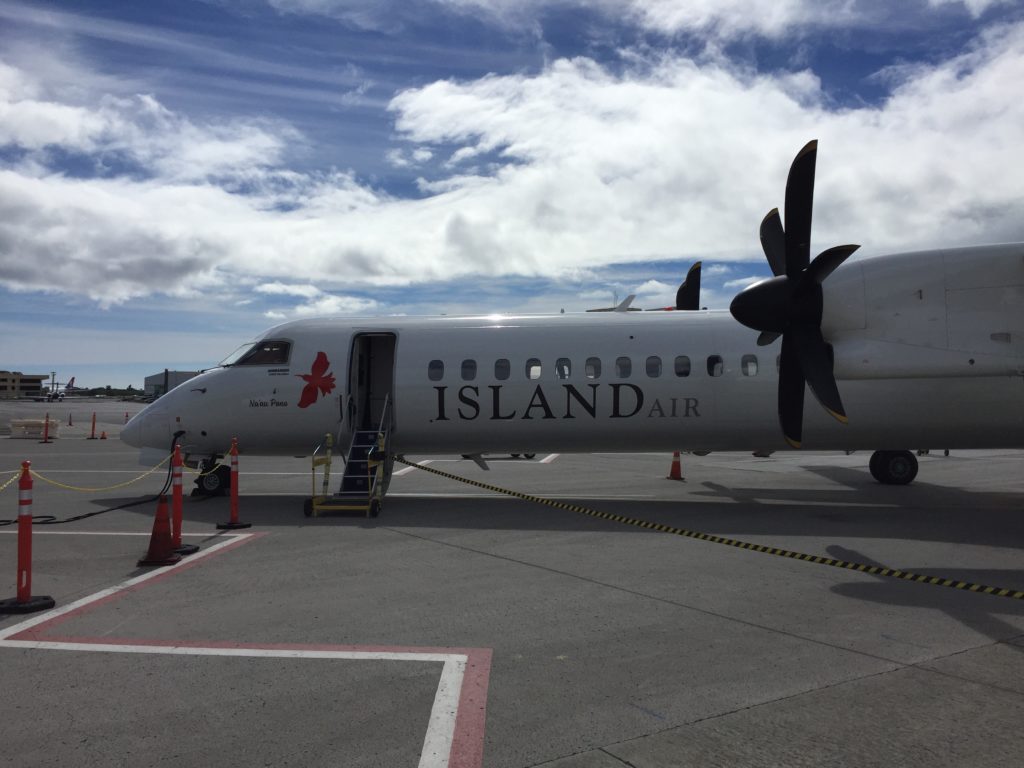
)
(911, 350)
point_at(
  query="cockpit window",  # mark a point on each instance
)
(233, 357)
(268, 352)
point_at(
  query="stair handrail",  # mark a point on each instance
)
(384, 413)
(384, 444)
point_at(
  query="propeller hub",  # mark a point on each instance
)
(765, 306)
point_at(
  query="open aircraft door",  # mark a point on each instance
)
(371, 385)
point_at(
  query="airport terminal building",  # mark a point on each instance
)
(14, 384)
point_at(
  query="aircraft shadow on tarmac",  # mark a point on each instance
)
(978, 612)
(862, 509)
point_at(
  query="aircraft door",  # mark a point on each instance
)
(371, 382)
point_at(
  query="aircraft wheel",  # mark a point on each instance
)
(529, 455)
(515, 455)
(216, 483)
(375, 508)
(893, 467)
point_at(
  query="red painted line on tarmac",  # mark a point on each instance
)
(471, 717)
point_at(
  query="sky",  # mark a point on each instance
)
(176, 177)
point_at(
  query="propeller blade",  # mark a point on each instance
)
(767, 337)
(773, 241)
(688, 295)
(799, 205)
(825, 263)
(791, 393)
(816, 365)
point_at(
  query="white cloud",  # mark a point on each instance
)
(974, 7)
(579, 167)
(336, 305)
(724, 19)
(114, 130)
(317, 301)
(282, 289)
(741, 282)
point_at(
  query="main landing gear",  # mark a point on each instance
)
(893, 467)
(215, 483)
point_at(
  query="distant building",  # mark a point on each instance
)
(17, 384)
(162, 383)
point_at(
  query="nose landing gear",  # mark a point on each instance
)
(212, 483)
(893, 467)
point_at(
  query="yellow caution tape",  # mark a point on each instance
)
(874, 570)
(210, 471)
(147, 473)
(11, 480)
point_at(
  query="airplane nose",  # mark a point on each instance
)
(132, 432)
(147, 429)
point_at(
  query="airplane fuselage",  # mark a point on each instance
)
(928, 352)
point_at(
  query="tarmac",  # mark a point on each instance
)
(464, 628)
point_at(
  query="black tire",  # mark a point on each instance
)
(874, 465)
(216, 483)
(375, 508)
(515, 455)
(893, 467)
(529, 455)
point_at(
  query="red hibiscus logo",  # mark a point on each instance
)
(319, 380)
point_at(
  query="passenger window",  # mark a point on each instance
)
(502, 369)
(533, 368)
(748, 364)
(715, 366)
(563, 368)
(654, 366)
(623, 367)
(593, 368)
(267, 353)
(435, 370)
(682, 366)
(468, 370)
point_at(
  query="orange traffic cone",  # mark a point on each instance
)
(161, 546)
(103, 435)
(676, 473)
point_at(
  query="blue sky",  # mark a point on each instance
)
(177, 176)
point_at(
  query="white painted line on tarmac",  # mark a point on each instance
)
(407, 470)
(437, 742)
(549, 458)
(48, 616)
(170, 649)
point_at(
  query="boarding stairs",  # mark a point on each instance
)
(362, 483)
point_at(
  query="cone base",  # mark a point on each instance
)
(232, 526)
(33, 604)
(680, 479)
(171, 559)
(186, 549)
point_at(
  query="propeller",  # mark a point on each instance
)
(790, 303)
